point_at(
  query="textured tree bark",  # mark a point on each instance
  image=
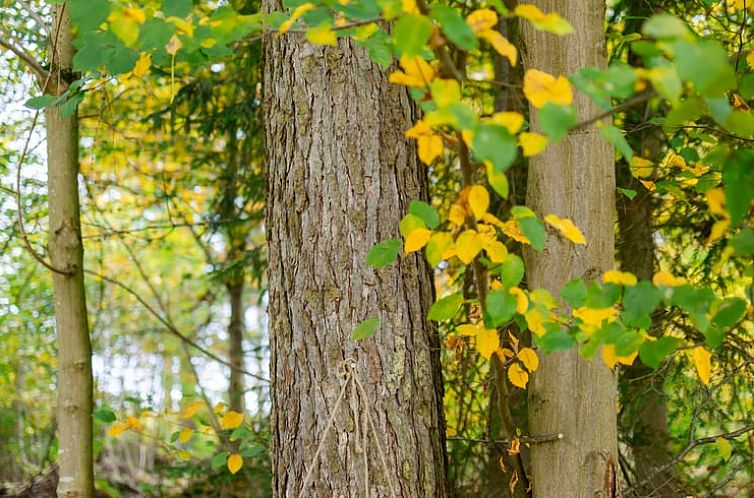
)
(74, 409)
(341, 176)
(574, 178)
(235, 341)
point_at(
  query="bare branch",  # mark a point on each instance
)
(26, 57)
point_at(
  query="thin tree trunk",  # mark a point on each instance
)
(235, 341)
(341, 176)
(574, 178)
(74, 409)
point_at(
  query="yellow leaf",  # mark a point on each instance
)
(410, 7)
(522, 302)
(718, 230)
(532, 143)
(322, 35)
(300, 11)
(117, 429)
(185, 434)
(649, 185)
(512, 121)
(479, 201)
(429, 144)
(702, 363)
(541, 88)
(501, 45)
(231, 420)
(716, 202)
(666, 278)
(750, 58)
(208, 42)
(551, 22)
(592, 316)
(496, 251)
(133, 423)
(518, 375)
(219, 407)
(493, 220)
(416, 73)
(468, 329)
(457, 216)
(137, 15)
(640, 167)
(515, 448)
(174, 45)
(184, 455)
(141, 68)
(529, 358)
(184, 26)
(566, 228)
(235, 462)
(611, 359)
(191, 409)
(417, 239)
(481, 20)
(619, 277)
(487, 342)
(535, 320)
(468, 246)
(512, 230)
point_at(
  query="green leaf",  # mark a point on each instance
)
(666, 26)
(88, 15)
(379, 47)
(105, 415)
(446, 308)
(455, 27)
(724, 448)
(641, 299)
(729, 313)
(384, 253)
(653, 352)
(574, 293)
(436, 247)
(534, 231)
(493, 143)
(177, 8)
(425, 212)
(705, 63)
(627, 192)
(366, 329)
(501, 306)
(738, 177)
(218, 461)
(602, 295)
(612, 135)
(409, 223)
(746, 87)
(39, 102)
(556, 120)
(411, 32)
(554, 339)
(743, 243)
(69, 107)
(511, 271)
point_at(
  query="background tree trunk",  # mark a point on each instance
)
(341, 176)
(576, 179)
(74, 410)
(235, 341)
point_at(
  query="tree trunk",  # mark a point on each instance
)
(235, 341)
(341, 176)
(74, 410)
(574, 178)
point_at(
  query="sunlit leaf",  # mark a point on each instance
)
(231, 420)
(235, 462)
(566, 228)
(517, 375)
(702, 363)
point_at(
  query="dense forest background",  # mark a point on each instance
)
(201, 129)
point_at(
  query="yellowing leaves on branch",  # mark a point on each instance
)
(551, 22)
(619, 277)
(231, 420)
(702, 363)
(428, 142)
(541, 88)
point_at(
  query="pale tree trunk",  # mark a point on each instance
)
(74, 409)
(235, 342)
(341, 176)
(575, 179)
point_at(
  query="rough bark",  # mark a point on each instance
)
(235, 342)
(74, 408)
(574, 178)
(341, 175)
